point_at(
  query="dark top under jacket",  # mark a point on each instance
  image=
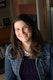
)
(28, 69)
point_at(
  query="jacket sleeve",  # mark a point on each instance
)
(47, 61)
(9, 75)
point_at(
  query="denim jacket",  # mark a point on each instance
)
(44, 64)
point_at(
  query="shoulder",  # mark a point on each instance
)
(47, 46)
(8, 49)
(47, 49)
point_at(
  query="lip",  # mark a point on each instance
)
(23, 36)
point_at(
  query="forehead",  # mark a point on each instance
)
(19, 23)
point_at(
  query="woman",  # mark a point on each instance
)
(28, 56)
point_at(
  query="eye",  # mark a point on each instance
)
(17, 29)
(26, 27)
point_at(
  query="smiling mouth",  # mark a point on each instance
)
(24, 35)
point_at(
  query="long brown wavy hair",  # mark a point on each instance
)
(37, 41)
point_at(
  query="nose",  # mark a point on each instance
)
(22, 31)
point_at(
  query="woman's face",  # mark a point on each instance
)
(22, 31)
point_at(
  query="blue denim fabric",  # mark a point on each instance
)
(44, 64)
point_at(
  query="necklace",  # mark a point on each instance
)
(27, 52)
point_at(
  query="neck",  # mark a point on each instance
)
(26, 46)
(27, 49)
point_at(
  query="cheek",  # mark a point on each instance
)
(28, 30)
(16, 34)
